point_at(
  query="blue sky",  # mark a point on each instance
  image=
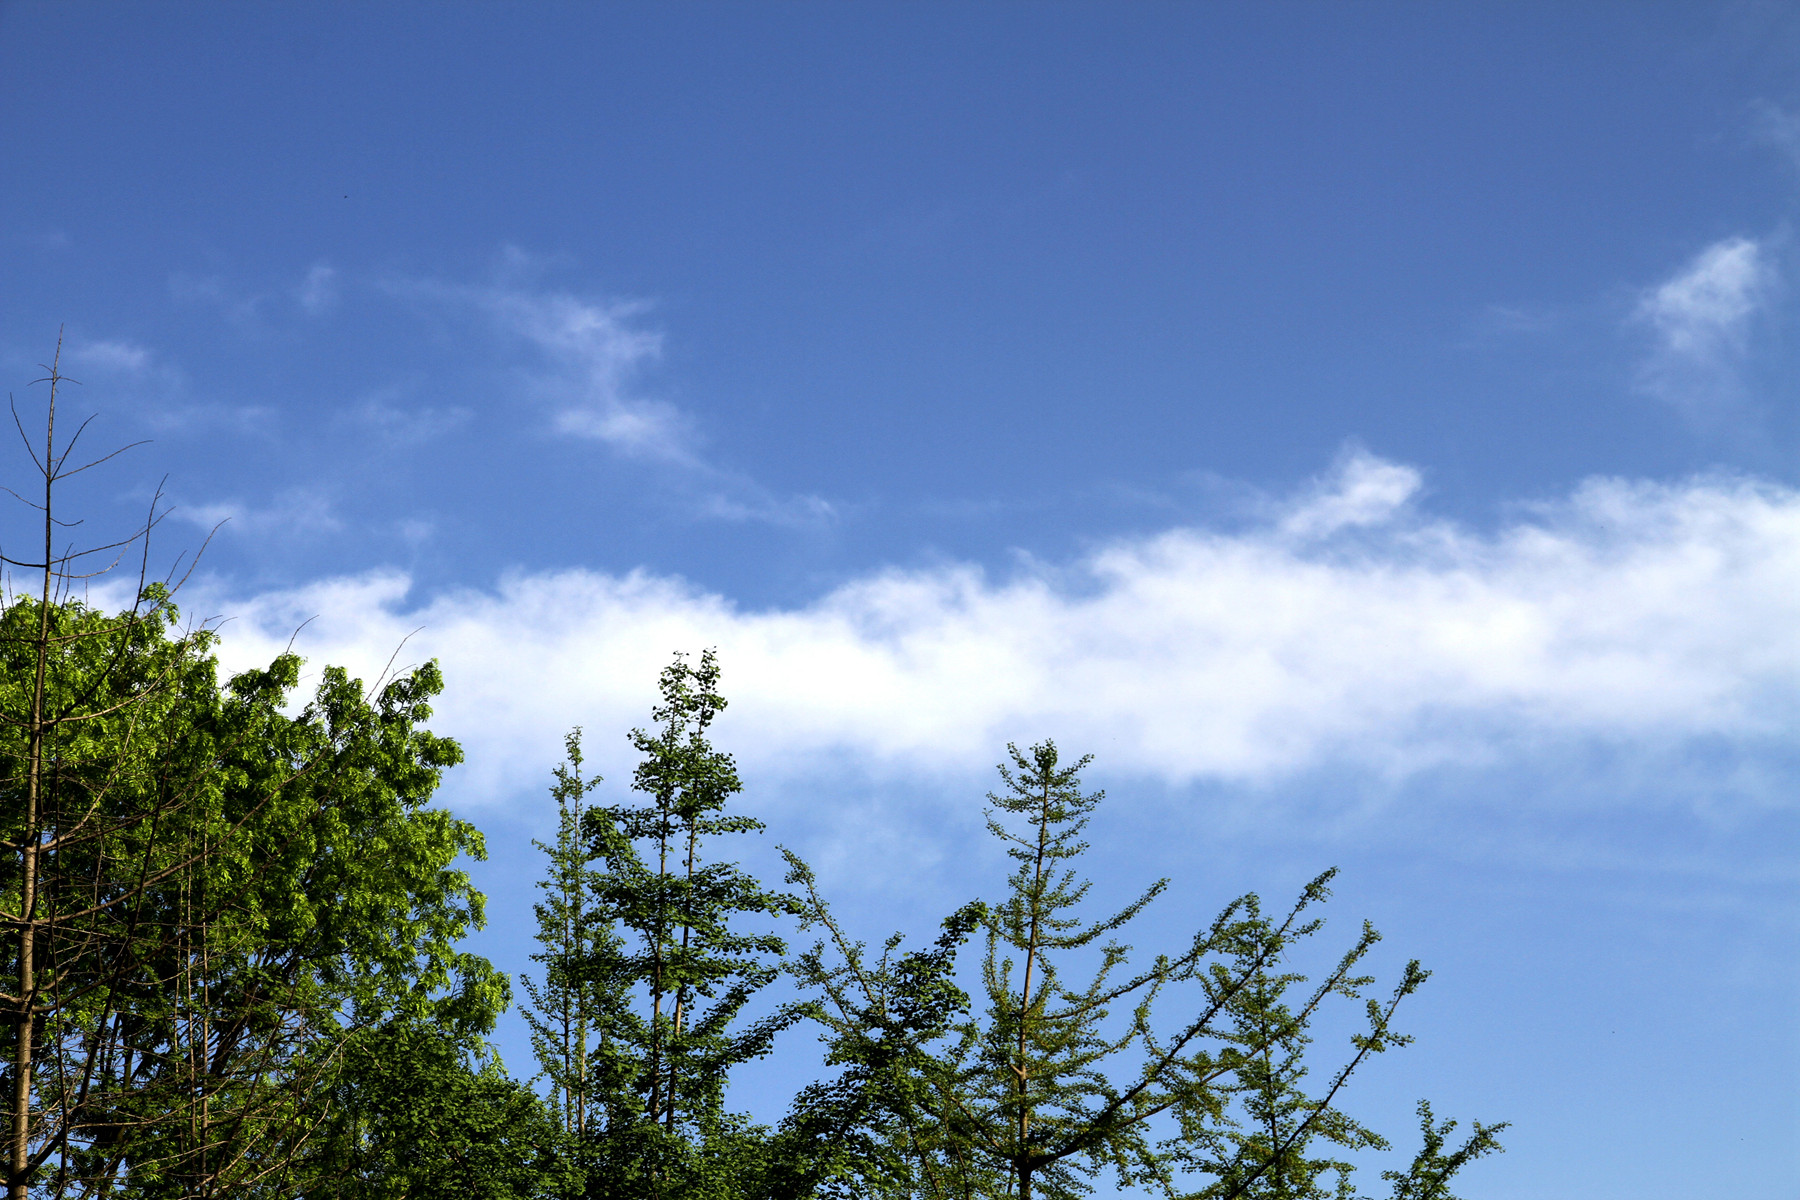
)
(1370, 430)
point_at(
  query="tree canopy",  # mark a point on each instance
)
(225, 897)
(1043, 1087)
(230, 928)
(207, 899)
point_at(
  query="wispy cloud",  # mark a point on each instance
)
(318, 292)
(113, 356)
(298, 511)
(601, 348)
(589, 359)
(1702, 319)
(261, 308)
(590, 355)
(1776, 126)
(252, 420)
(241, 308)
(1644, 617)
(409, 426)
(741, 499)
(146, 386)
(1360, 490)
(647, 428)
(1516, 320)
(151, 388)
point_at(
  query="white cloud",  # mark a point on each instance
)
(245, 419)
(243, 309)
(589, 356)
(1706, 305)
(1644, 616)
(410, 426)
(1777, 127)
(1702, 319)
(111, 356)
(153, 385)
(148, 388)
(416, 531)
(743, 500)
(593, 350)
(638, 427)
(1361, 490)
(318, 292)
(296, 511)
(1516, 320)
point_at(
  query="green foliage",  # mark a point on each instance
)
(1427, 1177)
(417, 1120)
(870, 1131)
(661, 960)
(1050, 1085)
(570, 1010)
(1030, 1085)
(223, 894)
(1263, 1151)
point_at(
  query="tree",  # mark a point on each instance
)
(205, 900)
(1045, 1087)
(582, 981)
(1266, 1151)
(870, 1131)
(419, 1118)
(667, 952)
(1427, 1177)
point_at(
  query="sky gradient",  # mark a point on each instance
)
(1370, 430)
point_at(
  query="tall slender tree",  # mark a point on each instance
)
(569, 1008)
(687, 965)
(1266, 1148)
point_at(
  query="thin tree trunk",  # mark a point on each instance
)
(1023, 1075)
(656, 979)
(28, 883)
(581, 994)
(687, 918)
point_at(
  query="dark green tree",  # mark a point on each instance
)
(685, 966)
(419, 1117)
(582, 984)
(873, 1129)
(1266, 1150)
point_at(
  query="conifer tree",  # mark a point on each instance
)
(873, 1130)
(568, 1011)
(1031, 1090)
(1263, 1150)
(686, 969)
(1052, 1084)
